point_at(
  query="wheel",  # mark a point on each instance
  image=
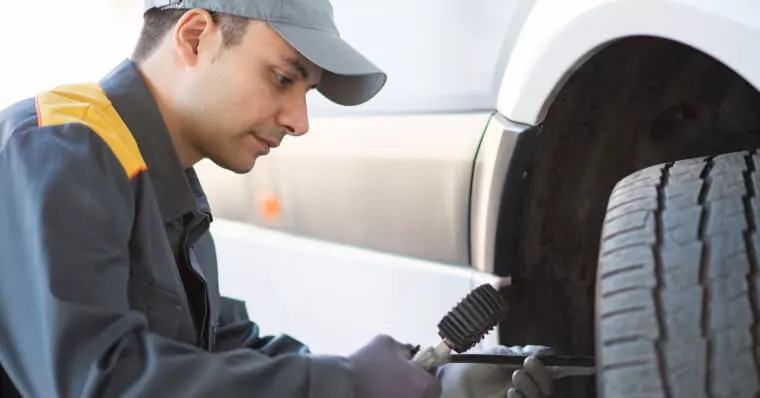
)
(677, 281)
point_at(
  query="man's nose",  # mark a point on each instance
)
(294, 118)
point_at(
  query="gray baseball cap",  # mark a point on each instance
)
(348, 79)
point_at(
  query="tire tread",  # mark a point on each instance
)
(678, 281)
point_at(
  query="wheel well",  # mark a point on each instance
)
(639, 101)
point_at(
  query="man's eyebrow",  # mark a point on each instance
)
(296, 64)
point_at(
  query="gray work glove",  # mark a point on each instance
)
(383, 369)
(533, 380)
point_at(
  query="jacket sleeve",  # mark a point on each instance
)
(66, 328)
(236, 330)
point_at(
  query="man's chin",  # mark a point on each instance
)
(238, 167)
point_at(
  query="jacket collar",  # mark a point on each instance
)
(178, 191)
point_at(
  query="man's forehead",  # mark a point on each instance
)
(286, 54)
(302, 65)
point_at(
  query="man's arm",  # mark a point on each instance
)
(236, 330)
(66, 328)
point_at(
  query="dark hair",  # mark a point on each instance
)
(157, 23)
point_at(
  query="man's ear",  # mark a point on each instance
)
(194, 35)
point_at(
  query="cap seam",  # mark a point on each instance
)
(299, 26)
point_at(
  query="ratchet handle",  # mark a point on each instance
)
(548, 360)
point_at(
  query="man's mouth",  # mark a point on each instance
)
(271, 143)
(266, 142)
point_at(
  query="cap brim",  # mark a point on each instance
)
(349, 77)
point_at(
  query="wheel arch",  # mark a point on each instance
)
(560, 37)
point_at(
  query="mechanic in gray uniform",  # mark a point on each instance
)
(109, 284)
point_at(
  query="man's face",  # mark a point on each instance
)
(239, 102)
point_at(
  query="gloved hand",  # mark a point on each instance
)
(383, 370)
(533, 380)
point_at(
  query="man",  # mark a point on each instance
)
(109, 283)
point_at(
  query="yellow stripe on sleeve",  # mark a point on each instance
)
(88, 104)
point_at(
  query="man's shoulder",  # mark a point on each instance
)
(73, 115)
(50, 149)
(17, 117)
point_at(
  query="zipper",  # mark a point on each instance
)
(203, 340)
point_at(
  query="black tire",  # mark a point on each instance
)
(677, 282)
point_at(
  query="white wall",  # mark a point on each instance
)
(44, 43)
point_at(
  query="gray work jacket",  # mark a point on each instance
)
(109, 278)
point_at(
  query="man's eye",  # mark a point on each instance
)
(284, 80)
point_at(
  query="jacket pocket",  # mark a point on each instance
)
(161, 308)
